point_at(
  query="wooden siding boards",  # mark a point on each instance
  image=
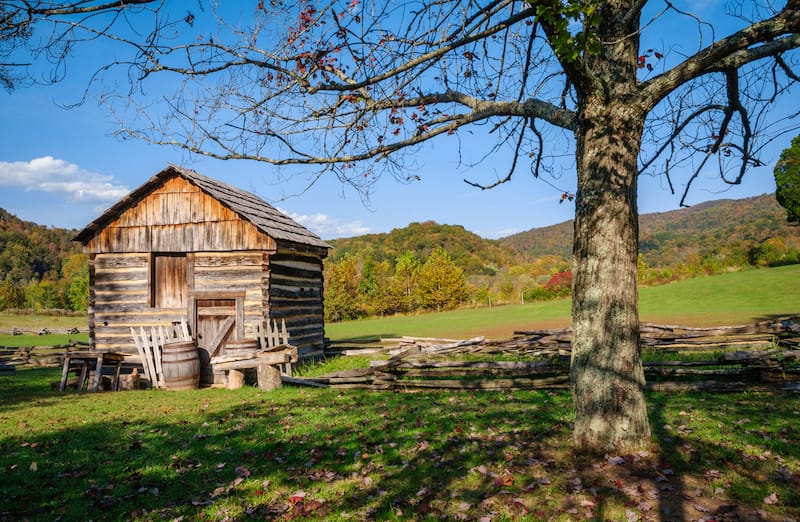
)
(235, 245)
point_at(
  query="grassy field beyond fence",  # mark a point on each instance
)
(734, 298)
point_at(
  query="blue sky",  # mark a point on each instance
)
(63, 167)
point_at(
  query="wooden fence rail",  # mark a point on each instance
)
(38, 355)
(765, 354)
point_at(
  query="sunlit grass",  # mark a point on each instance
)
(734, 298)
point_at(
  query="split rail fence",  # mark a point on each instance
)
(765, 355)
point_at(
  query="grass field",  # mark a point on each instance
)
(311, 454)
(734, 298)
(332, 454)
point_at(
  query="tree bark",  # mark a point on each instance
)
(606, 373)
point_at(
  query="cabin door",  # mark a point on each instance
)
(216, 321)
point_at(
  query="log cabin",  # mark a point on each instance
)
(185, 247)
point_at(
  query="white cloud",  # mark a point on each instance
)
(502, 233)
(57, 176)
(327, 227)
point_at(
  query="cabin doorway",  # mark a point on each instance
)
(217, 321)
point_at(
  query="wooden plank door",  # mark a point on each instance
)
(216, 324)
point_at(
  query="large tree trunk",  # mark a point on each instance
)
(606, 373)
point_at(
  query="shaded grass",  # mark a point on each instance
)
(343, 455)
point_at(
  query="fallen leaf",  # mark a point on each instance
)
(506, 480)
(34, 466)
(771, 499)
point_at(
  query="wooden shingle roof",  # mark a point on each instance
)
(247, 205)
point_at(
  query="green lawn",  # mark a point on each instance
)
(333, 454)
(311, 454)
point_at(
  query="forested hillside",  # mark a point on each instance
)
(380, 273)
(40, 267)
(429, 266)
(474, 254)
(726, 228)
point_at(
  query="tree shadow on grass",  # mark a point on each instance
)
(714, 457)
(322, 454)
(294, 454)
(731, 456)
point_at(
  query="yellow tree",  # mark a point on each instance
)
(441, 284)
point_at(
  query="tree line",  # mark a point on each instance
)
(40, 267)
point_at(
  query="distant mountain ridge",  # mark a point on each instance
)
(31, 251)
(28, 250)
(665, 237)
(474, 254)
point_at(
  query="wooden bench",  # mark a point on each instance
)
(267, 364)
(83, 361)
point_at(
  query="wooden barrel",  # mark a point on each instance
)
(181, 365)
(241, 347)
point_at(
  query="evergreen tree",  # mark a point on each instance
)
(787, 181)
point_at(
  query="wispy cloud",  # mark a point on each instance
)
(498, 234)
(58, 176)
(328, 227)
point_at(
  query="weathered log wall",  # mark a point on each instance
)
(295, 294)
(239, 274)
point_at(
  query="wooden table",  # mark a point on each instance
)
(82, 360)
